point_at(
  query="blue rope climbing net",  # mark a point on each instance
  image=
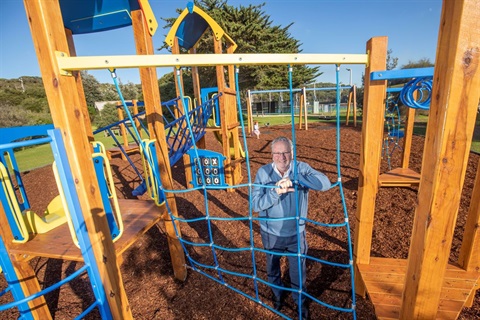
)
(224, 259)
(204, 255)
(393, 127)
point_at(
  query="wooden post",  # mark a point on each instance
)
(198, 98)
(136, 120)
(153, 110)
(220, 71)
(453, 111)
(196, 81)
(123, 127)
(469, 258)
(78, 80)
(354, 105)
(407, 139)
(350, 96)
(300, 114)
(370, 152)
(49, 36)
(24, 271)
(304, 98)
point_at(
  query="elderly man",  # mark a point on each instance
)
(278, 205)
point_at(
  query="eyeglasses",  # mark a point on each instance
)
(279, 154)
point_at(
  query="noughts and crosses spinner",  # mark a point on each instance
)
(207, 168)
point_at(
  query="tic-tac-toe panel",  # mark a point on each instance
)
(207, 168)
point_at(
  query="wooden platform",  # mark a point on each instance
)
(399, 177)
(384, 280)
(133, 147)
(138, 217)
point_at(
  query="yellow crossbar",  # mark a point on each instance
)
(67, 64)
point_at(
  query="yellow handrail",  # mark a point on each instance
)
(65, 204)
(110, 185)
(13, 204)
(113, 194)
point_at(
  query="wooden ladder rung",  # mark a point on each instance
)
(399, 177)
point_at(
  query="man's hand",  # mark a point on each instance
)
(285, 185)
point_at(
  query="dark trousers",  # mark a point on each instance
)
(278, 246)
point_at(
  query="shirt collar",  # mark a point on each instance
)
(287, 173)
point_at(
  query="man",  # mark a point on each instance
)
(278, 206)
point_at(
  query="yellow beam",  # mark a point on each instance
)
(67, 64)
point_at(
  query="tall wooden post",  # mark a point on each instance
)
(153, 110)
(354, 105)
(407, 139)
(453, 111)
(49, 36)
(469, 257)
(372, 130)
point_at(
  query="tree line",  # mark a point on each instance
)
(23, 101)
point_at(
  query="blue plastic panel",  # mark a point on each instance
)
(190, 30)
(402, 74)
(97, 15)
(208, 166)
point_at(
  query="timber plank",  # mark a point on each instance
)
(399, 177)
(131, 148)
(384, 279)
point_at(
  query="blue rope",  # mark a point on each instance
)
(189, 125)
(345, 211)
(393, 126)
(295, 178)
(129, 115)
(250, 185)
(209, 219)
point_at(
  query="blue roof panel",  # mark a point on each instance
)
(190, 30)
(89, 16)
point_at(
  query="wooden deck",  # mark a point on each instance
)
(132, 148)
(138, 217)
(399, 177)
(384, 280)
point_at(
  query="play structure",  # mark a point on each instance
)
(426, 285)
(300, 103)
(185, 35)
(99, 230)
(415, 94)
(126, 146)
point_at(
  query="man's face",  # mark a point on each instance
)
(282, 155)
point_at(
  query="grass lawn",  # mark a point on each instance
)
(39, 156)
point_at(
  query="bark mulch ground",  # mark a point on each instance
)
(147, 272)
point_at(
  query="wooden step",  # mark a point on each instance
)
(131, 148)
(384, 279)
(399, 177)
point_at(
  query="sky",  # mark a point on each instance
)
(321, 26)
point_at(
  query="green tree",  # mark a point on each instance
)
(391, 61)
(129, 91)
(254, 32)
(108, 92)
(108, 115)
(391, 64)
(421, 63)
(91, 88)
